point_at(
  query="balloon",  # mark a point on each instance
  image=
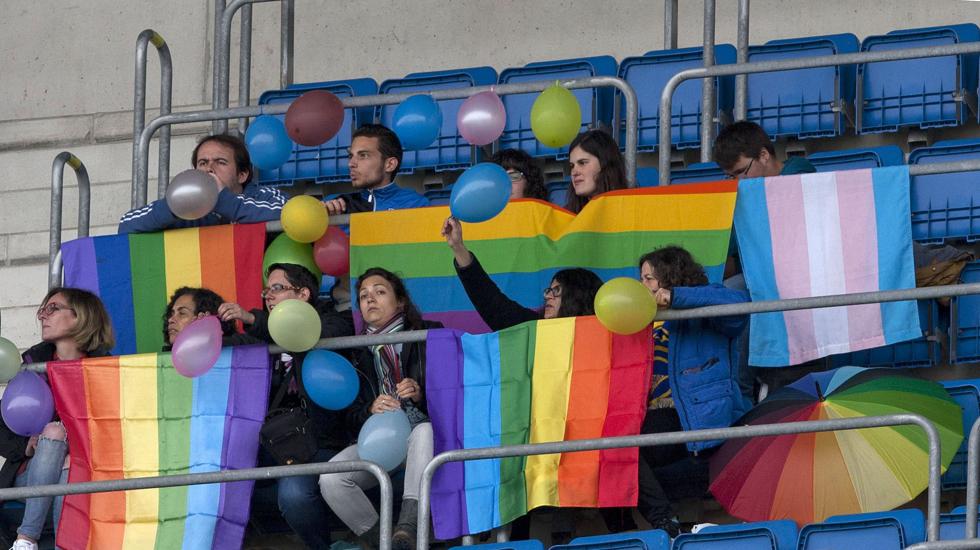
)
(197, 347)
(481, 118)
(192, 194)
(332, 252)
(480, 193)
(284, 250)
(556, 117)
(314, 117)
(9, 360)
(329, 379)
(384, 439)
(27, 404)
(624, 305)
(304, 219)
(294, 325)
(417, 122)
(267, 142)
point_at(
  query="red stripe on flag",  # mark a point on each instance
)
(217, 246)
(249, 248)
(107, 510)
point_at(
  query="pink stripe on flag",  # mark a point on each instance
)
(784, 200)
(855, 193)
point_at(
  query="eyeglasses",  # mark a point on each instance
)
(515, 175)
(51, 308)
(552, 292)
(276, 289)
(739, 174)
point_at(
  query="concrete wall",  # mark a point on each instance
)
(66, 77)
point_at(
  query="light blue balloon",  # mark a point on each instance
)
(480, 193)
(268, 143)
(329, 379)
(384, 439)
(417, 122)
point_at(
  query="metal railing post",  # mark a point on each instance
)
(245, 64)
(670, 24)
(149, 36)
(972, 479)
(708, 103)
(287, 31)
(57, 201)
(216, 54)
(742, 56)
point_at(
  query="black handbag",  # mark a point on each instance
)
(287, 433)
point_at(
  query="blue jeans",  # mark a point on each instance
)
(46, 467)
(303, 508)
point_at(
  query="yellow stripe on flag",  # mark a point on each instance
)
(141, 457)
(182, 249)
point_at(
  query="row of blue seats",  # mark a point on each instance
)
(802, 103)
(878, 530)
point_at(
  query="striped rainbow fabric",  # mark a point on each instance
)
(135, 416)
(550, 380)
(522, 247)
(820, 234)
(136, 274)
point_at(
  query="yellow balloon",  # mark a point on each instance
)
(304, 219)
(625, 306)
(556, 117)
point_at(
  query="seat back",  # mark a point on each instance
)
(946, 205)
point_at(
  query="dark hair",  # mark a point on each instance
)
(298, 275)
(243, 162)
(578, 289)
(205, 301)
(93, 328)
(515, 159)
(413, 318)
(674, 266)
(388, 143)
(612, 169)
(742, 138)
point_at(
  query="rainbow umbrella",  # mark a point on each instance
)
(808, 477)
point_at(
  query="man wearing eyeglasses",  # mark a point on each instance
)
(743, 150)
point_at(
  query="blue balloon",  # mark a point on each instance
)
(329, 379)
(268, 143)
(480, 193)
(384, 439)
(417, 122)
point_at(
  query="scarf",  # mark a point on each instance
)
(387, 361)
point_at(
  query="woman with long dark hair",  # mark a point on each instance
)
(596, 165)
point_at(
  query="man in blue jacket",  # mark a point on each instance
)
(374, 157)
(226, 159)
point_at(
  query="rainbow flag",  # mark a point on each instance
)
(523, 246)
(551, 380)
(136, 274)
(135, 416)
(820, 234)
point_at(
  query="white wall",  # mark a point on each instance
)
(66, 77)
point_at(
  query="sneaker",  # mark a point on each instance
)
(403, 539)
(700, 526)
(671, 526)
(24, 544)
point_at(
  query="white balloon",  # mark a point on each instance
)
(192, 194)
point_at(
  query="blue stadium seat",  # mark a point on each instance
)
(916, 92)
(327, 162)
(952, 526)
(803, 103)
(596, 103)
(647, 177)
(656, 539)
(966, 393)
(855, 159)
(697, 172)
(450, 151)
(879, 530)
(763, 535)
(649, 73)
(964, 331)
(558, 193)
(946, 205)
(532, 544)
(921, 352)
(439, 197)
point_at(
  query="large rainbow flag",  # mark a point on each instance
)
(524, 245)
(136, 274)
(820, 234)
(551, 380)
(135, 416)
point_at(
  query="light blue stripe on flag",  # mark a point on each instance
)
(481, 427)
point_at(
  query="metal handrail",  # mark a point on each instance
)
(972, 479)
(670, 24)
(708, 88)
(664, 126)
(629, 95)
(966, 544)
(674, 438)
(742, 56)
(150, 36)
(223, 476)
(57, 201)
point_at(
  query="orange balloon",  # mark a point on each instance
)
(314, 117)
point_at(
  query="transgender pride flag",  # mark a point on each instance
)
(820, 234)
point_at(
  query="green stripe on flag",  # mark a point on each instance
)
(148, 266)
(175, 394)
(516, 358)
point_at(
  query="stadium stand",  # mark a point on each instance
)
(966, 393)
(879, 530)
(946, 206)
(762, 535)
(854, 159)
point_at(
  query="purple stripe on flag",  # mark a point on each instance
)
(466, 321)
(78, 258)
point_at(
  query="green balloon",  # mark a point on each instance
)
(9, 360)
(556, 117)
(294, 325)
(284, 250)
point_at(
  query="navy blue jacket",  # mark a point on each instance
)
(389, 197)
(255, 205)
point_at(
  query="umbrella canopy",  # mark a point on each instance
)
(809, 477)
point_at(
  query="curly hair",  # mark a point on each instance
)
(612, 168)
(578, 290)
(93, 328)
(674, 266)
(413, 318)
(205, 301)
(515, 159)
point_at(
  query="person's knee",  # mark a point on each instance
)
(54, 431)
(296, 493)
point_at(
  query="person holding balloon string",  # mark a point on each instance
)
(74, 325)
(392, 401)
(596, 166)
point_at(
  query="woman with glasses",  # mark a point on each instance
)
(74, 325)
(190, 304)
(526, 180)
(596, 165)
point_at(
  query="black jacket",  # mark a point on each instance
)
(497, 310)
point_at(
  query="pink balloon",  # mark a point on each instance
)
(197, 347)
(481, 118)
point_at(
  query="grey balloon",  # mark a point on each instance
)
(192, 194)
